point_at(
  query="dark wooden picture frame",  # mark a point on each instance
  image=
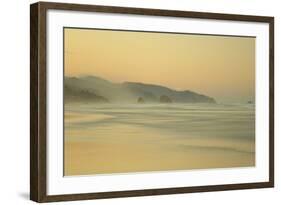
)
(38, 101)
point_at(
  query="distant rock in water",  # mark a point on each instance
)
(140, 100)
(250, 102)
(96, 89)
(165, 99)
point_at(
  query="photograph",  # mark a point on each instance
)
(140, 101)
(146, 101)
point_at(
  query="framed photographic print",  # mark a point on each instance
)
(134, 102)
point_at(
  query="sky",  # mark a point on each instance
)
(222, 67)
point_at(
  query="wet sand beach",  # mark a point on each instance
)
(107, 138)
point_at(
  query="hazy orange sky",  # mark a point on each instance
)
(218, 66)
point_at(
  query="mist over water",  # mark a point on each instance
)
(120, 138)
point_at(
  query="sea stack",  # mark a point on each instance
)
(140, 100)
